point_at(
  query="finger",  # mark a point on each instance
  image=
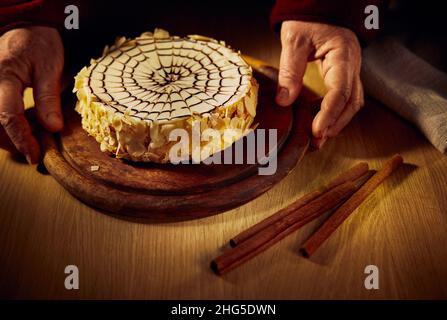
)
(47, 99)
(354, 105)
(338, 77)
(292, 65)
(5, 142)
(13, 120)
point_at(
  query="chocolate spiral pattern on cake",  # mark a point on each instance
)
(160, 79)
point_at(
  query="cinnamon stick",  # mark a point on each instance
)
(340, 215)
(278, 230)
(350, 175)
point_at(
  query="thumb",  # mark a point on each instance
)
(48, 101)
(292, 65)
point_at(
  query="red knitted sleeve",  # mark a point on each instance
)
(20, 13)
(345, 13)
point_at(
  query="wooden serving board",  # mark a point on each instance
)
(166, 192)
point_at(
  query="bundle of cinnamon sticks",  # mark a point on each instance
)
(342, 196)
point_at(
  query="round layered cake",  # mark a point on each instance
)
(141, 89)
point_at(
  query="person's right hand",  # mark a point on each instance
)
(31, 56)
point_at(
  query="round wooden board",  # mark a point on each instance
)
(154, 192)
(165, 179)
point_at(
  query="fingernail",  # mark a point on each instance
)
(54, 119)
(283, 94)
(28, 159)
(322, 134)
(322, 142)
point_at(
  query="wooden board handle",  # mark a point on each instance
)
(262, 67)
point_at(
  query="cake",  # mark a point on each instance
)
(141, 89)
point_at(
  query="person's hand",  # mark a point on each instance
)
(339, 56)
(31, 56)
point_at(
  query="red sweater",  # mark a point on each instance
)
(347, 13)
(20, 13)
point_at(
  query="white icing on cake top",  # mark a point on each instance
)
(160, 79)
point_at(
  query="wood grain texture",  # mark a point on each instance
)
(401, 228)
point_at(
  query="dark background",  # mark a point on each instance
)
(421, 25)
(102, 21)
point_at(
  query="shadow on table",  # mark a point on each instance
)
(327, 256)
(376, 131)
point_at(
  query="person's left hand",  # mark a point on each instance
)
(338, 53)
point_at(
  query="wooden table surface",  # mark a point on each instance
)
(401, 228)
